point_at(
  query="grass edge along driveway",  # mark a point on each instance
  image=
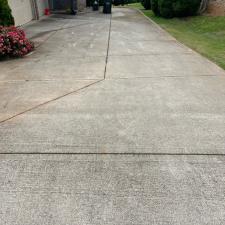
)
(204, 34)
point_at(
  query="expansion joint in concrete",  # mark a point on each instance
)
(107, 51)
(115, 153)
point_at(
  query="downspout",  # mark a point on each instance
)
(35, 9)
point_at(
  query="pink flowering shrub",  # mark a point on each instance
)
(13, 42)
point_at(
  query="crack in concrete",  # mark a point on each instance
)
(107, 52)
(52, 100)
(72, 92)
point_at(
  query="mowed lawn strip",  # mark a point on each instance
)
(204, 34)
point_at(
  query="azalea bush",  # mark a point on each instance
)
(13, 42)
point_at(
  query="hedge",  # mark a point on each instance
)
(146, 4)
(172, 8)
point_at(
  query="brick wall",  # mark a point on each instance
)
(216, 7)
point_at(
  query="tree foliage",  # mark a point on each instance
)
(178, 8)
(6, 18)
(146, 4)
(155, 7)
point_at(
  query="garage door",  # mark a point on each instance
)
(21, 10)
(42, 5)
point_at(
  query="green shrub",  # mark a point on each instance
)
(155, 7)
(118, 2)
(132, 1)
(166, 8)
(124, 2)
(186, 7)
(171, 8)
(146, 4)
(6, 18)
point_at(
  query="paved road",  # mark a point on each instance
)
(111, 121)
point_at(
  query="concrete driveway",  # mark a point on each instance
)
(111, 121)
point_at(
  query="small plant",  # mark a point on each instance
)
(6, 18)
(13, 42)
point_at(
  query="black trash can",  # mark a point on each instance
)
(95, 5)
(107, 7)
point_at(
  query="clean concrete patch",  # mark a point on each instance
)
(160, 65)
(124, 48)
(137, 30)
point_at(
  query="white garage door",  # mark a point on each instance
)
(21, 10)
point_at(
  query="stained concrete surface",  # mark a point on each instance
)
(20, 96)
(71, 54)
(144, 144)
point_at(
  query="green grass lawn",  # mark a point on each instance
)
(205, 34)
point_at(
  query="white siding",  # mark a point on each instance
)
(21, 10)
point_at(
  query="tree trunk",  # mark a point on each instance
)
(203, 6)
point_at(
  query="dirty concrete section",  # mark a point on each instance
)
(70, 54)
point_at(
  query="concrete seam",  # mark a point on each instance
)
(114, 153)
(160, 77)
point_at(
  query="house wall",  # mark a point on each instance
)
(216, 7)
(65, 4)
(24, 10)
(21, 10)
(60, 5)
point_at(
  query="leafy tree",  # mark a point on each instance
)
(186, 7)
(166, 8)
(146, 4)
(155, 7)
(178, 8)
